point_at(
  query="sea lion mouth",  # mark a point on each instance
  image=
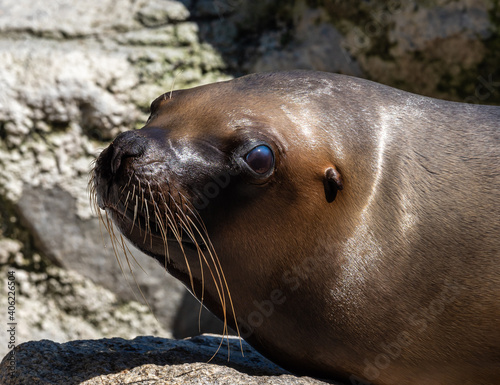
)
(152, 226)
(142, 213)
(153, 219)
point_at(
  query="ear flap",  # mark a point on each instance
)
(332, 183)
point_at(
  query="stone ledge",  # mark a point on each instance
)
(144, 360)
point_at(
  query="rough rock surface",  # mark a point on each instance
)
(144, 360)
(445, 48)
(59, 304)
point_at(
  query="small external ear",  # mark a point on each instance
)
(332, 183)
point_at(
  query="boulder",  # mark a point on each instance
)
(207, 359)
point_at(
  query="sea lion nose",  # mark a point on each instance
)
(128, 144)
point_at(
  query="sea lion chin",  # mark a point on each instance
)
(344, 228)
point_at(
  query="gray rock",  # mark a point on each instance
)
(51, 84)
(61, 304)
(415, 29)
(186, 326)
(10, 248)
(45, 213)
(439, 48)
(67, 18)
(217, 8)
(155, 13)
(436, 49)
(317, 44)
(205, 359)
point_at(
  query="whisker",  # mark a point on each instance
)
(127, 252)
(218, 283)
(163, 229)
(127, 184)
(178, 236)
(201, 258)
(126, 205)
(135, 213)
(147, 228)
(220, 292)
(210, 246)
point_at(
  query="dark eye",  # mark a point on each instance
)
(260, 159)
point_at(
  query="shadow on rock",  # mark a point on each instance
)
(116, 360)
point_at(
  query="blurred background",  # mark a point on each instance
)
(74, 74)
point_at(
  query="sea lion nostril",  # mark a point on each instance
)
(126, 145)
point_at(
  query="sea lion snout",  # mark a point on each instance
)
(128, 144)
(129, 160)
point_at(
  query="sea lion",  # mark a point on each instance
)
(344, 228)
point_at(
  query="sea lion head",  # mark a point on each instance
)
(226, 186)
(215, 165)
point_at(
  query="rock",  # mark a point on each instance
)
(212, 9)
(66, 18)
(440, 49)
(162, 36)
(436, 49)
(144, 360)
(9, 248)
(317, 45)
(45, 213)
(414, 29)
(60, 304)
(184, 326)
(160, 12)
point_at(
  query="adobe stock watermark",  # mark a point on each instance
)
(485, 88)
(420, 321)
(291, 280)
(11, 321)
